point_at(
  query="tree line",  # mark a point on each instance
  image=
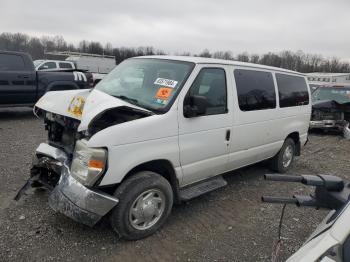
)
(297, 61)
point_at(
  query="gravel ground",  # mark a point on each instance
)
(230, 224)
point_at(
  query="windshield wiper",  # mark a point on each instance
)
(128, 99)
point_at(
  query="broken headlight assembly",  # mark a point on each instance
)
(88, 164)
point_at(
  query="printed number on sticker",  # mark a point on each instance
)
(166, 82)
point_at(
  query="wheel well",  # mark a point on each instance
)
(296, 138)
(162, 167)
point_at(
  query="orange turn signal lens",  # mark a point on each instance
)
(96, 164)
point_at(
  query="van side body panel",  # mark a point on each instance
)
(136, 142)
(196, 147)
(202, 143)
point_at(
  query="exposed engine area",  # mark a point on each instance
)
(62, 131)
(115, 116)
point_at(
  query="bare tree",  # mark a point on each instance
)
(298, 61)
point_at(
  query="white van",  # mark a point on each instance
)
(159, 130)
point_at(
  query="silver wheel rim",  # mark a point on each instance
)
(147, 209)
(287, 156)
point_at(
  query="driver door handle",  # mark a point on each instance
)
(228, 134)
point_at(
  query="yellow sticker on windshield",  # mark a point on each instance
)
(164, 93)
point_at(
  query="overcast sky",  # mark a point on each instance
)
(255, 26)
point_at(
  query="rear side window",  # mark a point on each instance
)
(65, 65)
(255, 89)
(211, 83)
(292, 90)
(9, 62)
(48, 65)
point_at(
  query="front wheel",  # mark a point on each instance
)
(145, 202)
(284, 158)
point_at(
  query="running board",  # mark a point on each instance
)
(201, 188)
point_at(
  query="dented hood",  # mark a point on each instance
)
(90, 103)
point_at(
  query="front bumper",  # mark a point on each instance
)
(327, 124)
(73, 199)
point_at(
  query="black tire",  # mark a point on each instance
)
(276, 163)
(128, 192)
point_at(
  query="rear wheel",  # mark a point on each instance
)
(284, 158)
(145, 202)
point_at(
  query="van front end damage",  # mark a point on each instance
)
(66, 165)
(68, 196)
(76, 201)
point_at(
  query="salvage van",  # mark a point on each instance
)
(159, 130)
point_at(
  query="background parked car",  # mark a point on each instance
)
(22, 85)
(53, 65)
(331, 107)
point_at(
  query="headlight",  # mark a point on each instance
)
(88, 164)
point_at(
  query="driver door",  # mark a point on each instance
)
(204, 140)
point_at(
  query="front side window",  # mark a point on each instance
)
(255, 89)
(292, 90)
(9, 62)
(149, 83)
(48, 65)
(211, 84)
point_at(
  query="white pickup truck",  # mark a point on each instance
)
(98, 66)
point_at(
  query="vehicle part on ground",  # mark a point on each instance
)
(327, 242)
(331, 192)
(146, 199)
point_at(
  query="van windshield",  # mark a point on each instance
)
(146, 82)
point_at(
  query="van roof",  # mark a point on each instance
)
(204, 60)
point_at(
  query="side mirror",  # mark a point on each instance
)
(195, 106)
